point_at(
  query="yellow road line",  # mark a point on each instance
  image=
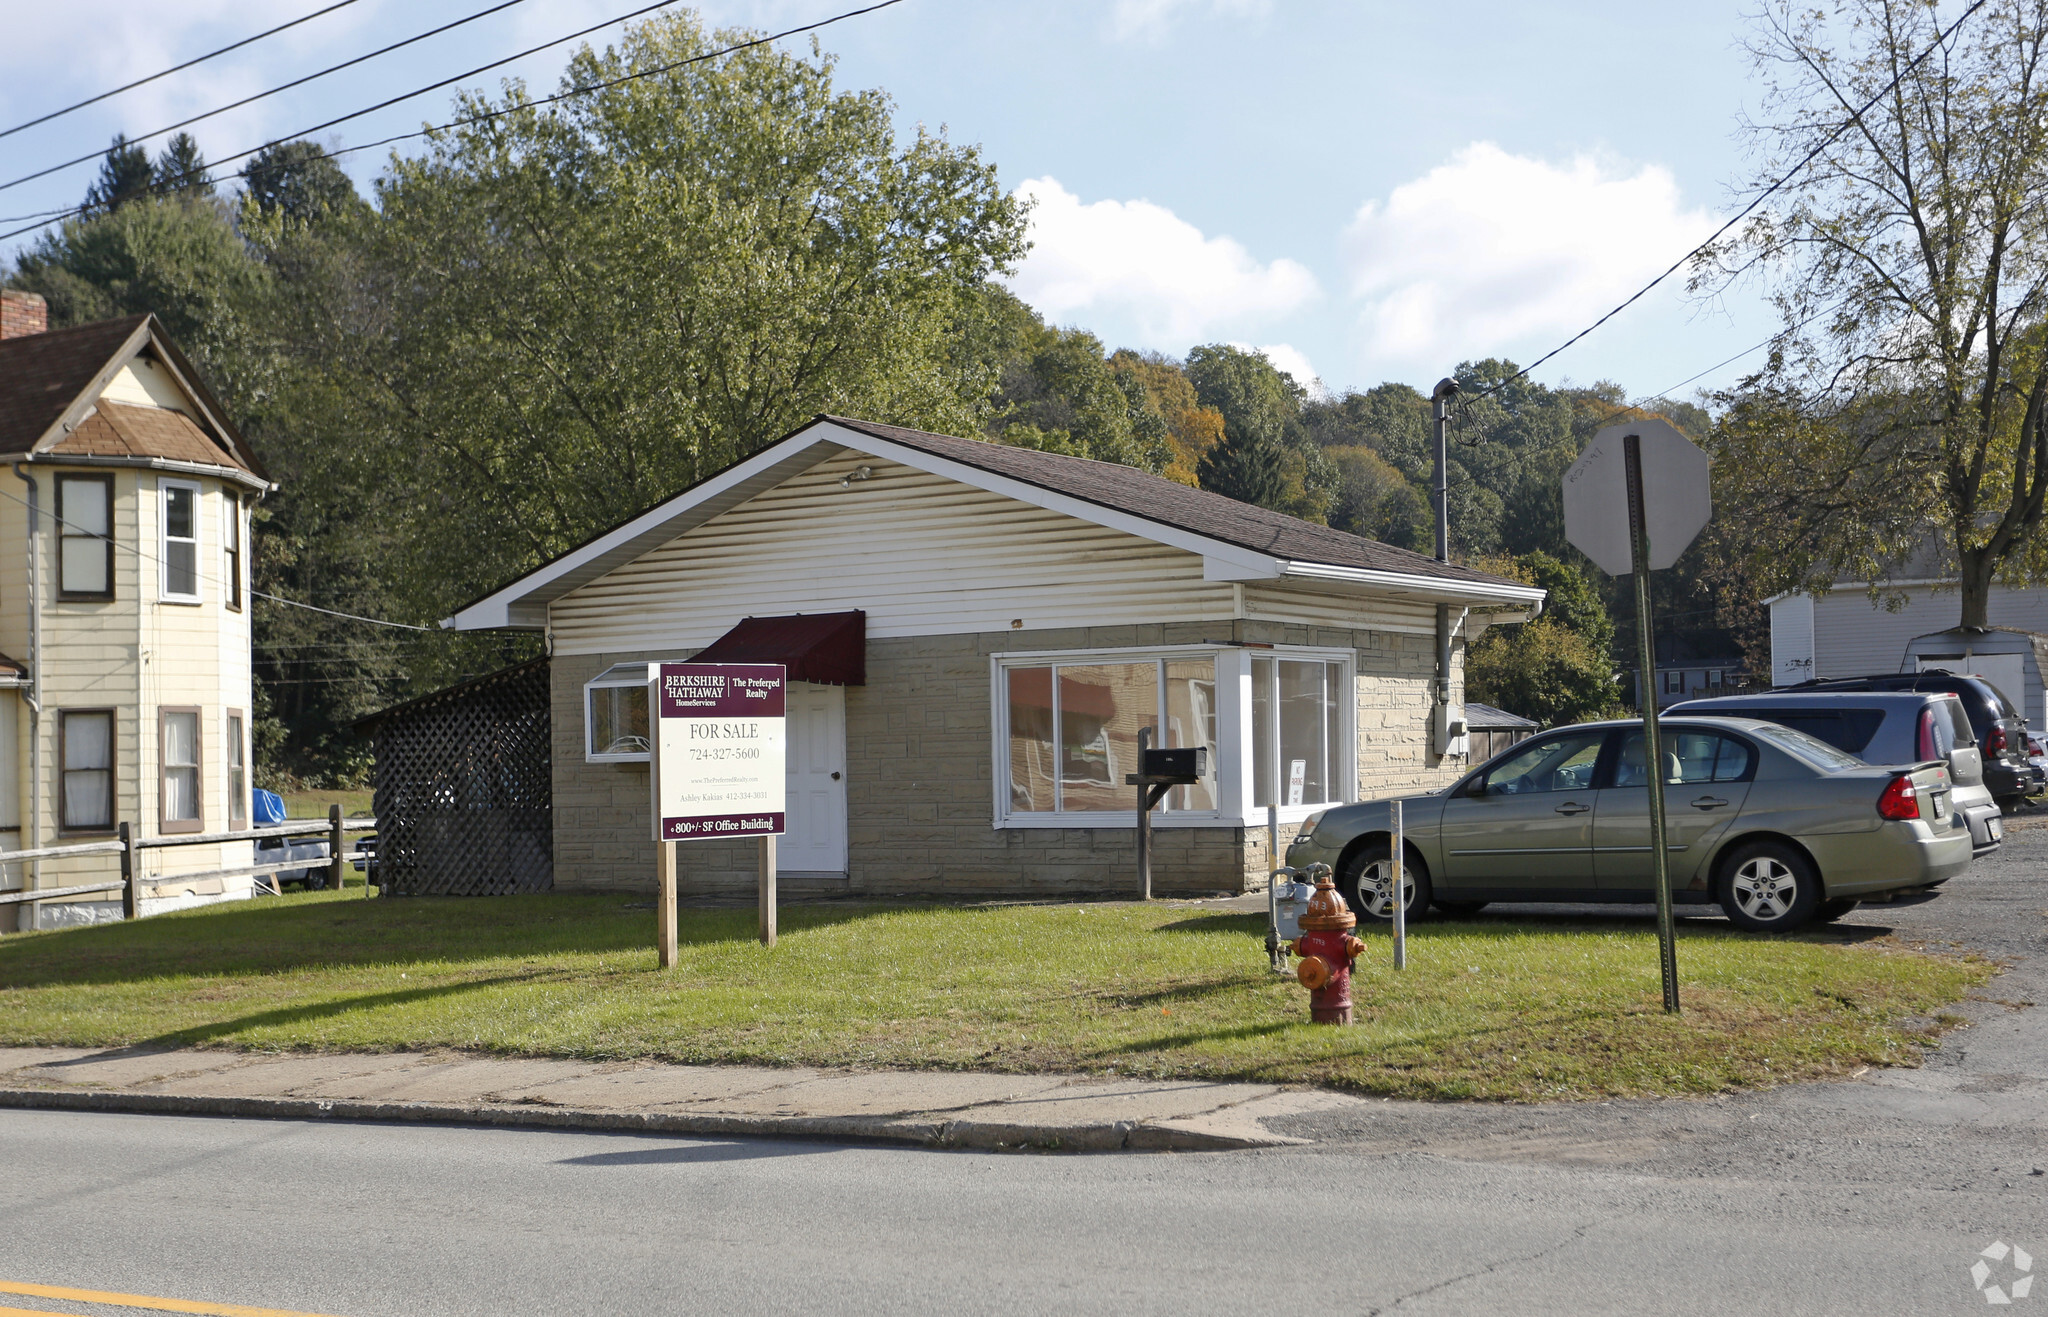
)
(136, 1301)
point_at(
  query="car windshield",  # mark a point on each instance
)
(1810, 748)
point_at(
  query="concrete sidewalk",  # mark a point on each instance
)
(929, 1108)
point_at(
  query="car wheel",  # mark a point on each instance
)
(1769, 888)
(1368, 879)
(1827, 912)
(1460, 909)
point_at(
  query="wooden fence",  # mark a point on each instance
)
(130, 849)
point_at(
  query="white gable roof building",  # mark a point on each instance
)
(1020, 615)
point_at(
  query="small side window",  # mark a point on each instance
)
(615, 715)
(85, 538)
(179, 560)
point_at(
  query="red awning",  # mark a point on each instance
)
(830, 649)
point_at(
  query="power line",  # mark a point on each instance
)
(175, 68)
(1826, 142)
(171, 184)
(295, 82)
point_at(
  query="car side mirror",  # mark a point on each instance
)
(1478, 787)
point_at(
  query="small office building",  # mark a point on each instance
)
(975, 634)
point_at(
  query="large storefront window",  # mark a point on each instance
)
(1073, 731)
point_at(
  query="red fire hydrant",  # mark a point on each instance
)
(1327, 949)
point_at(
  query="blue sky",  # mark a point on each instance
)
(1369, 190)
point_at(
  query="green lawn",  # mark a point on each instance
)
(1520, 1009)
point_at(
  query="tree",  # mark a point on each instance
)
(1907, 394)
(1059, 393)
(1376, 501)
(177, 257)
(1265, 446)
(125, 176)
(297, 180)
(1248, 466)
(180, 168)
(1191, 428)
(561, 315)
(1556, 668)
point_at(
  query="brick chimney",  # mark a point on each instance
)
(22, 314)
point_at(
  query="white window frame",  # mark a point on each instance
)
(163, 540)
(1233, 736)
(617, 676)
(232, 551)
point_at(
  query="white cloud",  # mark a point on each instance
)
(1150, 18)
(1495, 252)
(1140, 263)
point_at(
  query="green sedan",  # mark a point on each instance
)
(1775, 826)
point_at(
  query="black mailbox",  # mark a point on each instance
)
(1184, 765)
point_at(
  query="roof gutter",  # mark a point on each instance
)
(236, 474)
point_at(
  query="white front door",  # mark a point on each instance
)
(816, 839)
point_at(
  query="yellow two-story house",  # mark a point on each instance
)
(125, 684)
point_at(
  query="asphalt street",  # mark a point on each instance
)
(1871, 1196)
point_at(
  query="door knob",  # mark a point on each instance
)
(1572, 807)
(835, 777)
(1708, 802)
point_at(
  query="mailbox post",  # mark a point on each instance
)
(1159, 771)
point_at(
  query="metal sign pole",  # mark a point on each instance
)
(1144, 820)
(1653, 749)
(767, 892)
(1274, 959)
(1399, 889)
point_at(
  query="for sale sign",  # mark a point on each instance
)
(718, 750)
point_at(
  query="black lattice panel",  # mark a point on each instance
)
(465, 787)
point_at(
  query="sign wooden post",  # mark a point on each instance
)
(767, 892)
(719, 765)
(665, 904)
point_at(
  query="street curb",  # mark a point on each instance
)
(1009, 1136)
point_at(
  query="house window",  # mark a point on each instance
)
(1297, 732)
(237, 757)
(615, 715)
(178, 763)
(231, 551)
(85, 769)
(85, 537)
(1674, 683)
(180, 556)
(1071, 730)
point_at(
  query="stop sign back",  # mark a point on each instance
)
(1677, 499)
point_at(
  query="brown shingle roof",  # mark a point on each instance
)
(119, 430)
(1157, 499)
(43, 374)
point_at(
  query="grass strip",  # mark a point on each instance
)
(1510, 1008)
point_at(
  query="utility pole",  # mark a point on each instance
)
(1445, 390)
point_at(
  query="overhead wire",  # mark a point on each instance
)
(281, 87)
(171, 184)
(1855, 116)
(175, 68)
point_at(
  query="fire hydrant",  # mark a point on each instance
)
(1327, 949)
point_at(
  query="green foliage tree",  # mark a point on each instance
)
(1266, 449)
(178, 257)
(1556, 669)
(1060, 393)
(566, 313)
(1907, 395)
(297, 180)
(181, 169)
(1376, 501)
(125, 176)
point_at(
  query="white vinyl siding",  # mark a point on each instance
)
(924, 555)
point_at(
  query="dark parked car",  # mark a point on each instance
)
(2000, 730)
(1882, 727)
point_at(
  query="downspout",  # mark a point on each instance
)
(32, 693)
(1440, 696)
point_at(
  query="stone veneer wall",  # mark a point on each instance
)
(919, 764)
